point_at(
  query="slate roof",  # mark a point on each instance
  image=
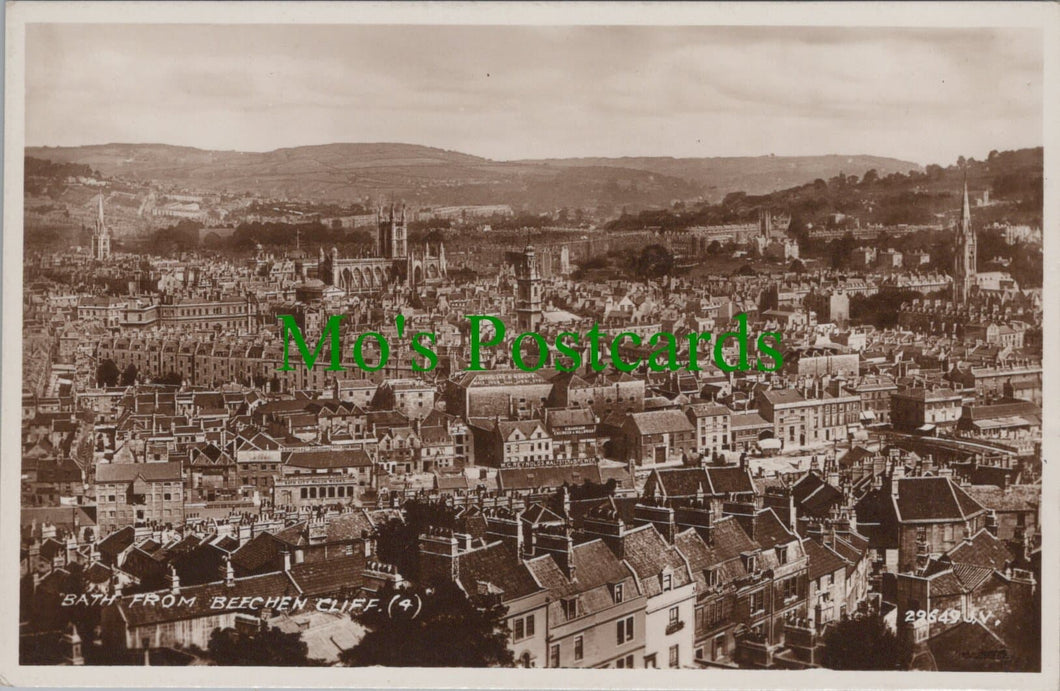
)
(117, 542)
(982, 549)
(708, 410)
(770, 531)
(1011, 498)
(968, 647)
(595, 565)
(749, 420)
(329, 576)
(261, 552)
(660, 422)
(730, 480)
(648, 554)
(506, 429)
(821, 560)
(569, 417)
(814, 496)
(329, 458)
(851, 457)
(934, 499)
(729, 541)
(127, 472)
(549, 476)
(682, 482)
(196, 601)
(498, 565)
(349, 526)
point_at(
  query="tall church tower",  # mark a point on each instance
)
(392, 237)
(964, 256)
(100, 235)
(765, 224)
(528, 291)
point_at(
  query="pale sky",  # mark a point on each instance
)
(925, 95)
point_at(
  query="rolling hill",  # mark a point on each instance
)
(425, 175)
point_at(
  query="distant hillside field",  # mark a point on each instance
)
(425, 175)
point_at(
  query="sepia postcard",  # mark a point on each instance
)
(466, 345)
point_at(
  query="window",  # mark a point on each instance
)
(553, 655)
(570, 607)
(791, 589)
(719, 646)
(673, 615)
(625, 630)
(649, 662)
(518, 630)
(668, 581)
(947, 533)
(617, 592)
(624, 662)
(579, 648)
(675, 655)
(782, 554)
(758, 601)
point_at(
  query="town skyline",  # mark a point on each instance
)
(432, 343)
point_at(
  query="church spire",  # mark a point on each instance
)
(966, 211)
(101, 236)
(964, 259)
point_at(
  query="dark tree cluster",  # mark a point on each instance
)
(397, 541)
(449, 631)
(265, 647)
(864, 643)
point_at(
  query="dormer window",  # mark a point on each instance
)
(617, 592)
(782, 554)
(667, 581)
(712, 578)
(570, 607)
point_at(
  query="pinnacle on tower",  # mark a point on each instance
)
(966, 211)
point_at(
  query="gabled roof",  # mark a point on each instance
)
(342, 574)
(730, 480)
(982, 549)
(648, 554)
(569, 417)
(934, 499)
(821, 560)
(118, 541)
(660, 422)
(260, 552)
(968, 647)
(496, 565)
(770, 531)
(682, 482)
(814, 496)
(519, 429)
